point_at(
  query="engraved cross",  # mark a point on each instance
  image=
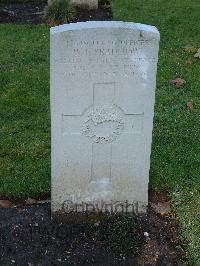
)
(102, 124)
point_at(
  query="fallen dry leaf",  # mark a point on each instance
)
(53, 22)
(190, 48)
(6, 204)
(189, 105)
(197, 55)
(189, 62)
(162, 207)
(31, 201)
(178, 82)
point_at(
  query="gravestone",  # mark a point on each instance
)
(103, 79)
(90, 4)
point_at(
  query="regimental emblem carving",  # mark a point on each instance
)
(103, 124)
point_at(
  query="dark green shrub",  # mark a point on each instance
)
(58, 12)
(121, 234)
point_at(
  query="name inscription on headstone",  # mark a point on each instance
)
(107, 56)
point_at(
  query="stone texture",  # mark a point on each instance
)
(103, 79)
(91, 4)
(50, 2)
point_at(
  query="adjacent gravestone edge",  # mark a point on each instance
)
(104, 24)
(90, 4)
(87, 4)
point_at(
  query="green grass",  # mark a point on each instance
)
(25, 118)
(25, 121)
(175, 162)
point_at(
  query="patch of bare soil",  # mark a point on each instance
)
(30, 13)
(28, 236)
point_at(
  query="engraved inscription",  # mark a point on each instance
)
(103, 124)
(107, 58)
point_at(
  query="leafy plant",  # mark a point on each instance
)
(120, 233)
(59, 11)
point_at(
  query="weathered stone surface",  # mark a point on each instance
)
(50, 2)
(91, 4)
(103, 79)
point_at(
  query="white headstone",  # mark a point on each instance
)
(91, 4)
(103, 79)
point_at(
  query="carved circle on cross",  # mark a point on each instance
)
(103, 124)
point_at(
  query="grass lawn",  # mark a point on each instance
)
(25, 119)
(175, 162)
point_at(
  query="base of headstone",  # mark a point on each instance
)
(87, 4)
(79, 213)
(70, 212)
